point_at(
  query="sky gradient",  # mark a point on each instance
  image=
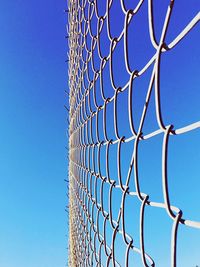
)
(33, 162)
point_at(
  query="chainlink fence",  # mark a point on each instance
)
(104, 137)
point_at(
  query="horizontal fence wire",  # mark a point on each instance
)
(94, 230)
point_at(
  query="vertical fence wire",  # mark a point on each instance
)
(88, 235)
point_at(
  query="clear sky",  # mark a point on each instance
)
(33, 165)
(33, 77)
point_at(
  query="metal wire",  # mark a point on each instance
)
(88, 235)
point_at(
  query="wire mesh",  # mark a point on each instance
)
(95, 155)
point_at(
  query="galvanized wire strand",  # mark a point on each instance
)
(91, 213)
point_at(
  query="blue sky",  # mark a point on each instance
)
(33, 77)
(33, 165)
